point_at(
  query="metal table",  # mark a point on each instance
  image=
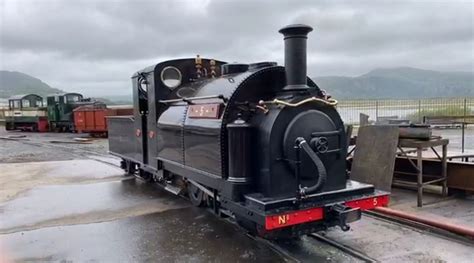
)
(419, 146)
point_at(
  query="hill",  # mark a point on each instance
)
(14, 83)
(399, 83)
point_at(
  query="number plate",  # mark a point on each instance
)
(204, 111)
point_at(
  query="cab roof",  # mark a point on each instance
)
(24, 96)
(64, 94)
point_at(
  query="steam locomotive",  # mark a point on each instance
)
(259, 142)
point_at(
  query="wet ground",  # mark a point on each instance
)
(389, 242)
(81, 208)
(84, 210)
(47, 146)
(452, 209)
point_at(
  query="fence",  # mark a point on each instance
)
(2, 113)
(409, 109)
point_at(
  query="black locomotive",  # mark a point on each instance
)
(259, 142)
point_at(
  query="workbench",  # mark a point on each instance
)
(419, 146)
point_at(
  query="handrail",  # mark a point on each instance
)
(188, 100)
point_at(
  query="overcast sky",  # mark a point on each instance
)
(95, 46)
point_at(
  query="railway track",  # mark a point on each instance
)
(346, 249)
(306, 248)
(315, 248)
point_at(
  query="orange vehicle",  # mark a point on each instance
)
(92, 118)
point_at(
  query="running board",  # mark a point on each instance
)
(173, 189)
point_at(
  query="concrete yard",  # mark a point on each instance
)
(98, 215)
(72, 203)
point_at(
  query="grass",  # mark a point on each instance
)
(450, 110)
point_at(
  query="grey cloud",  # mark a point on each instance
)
(96, 45)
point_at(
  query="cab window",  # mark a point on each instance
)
(16, 104)
(72, 98)
(37, 103)
(25, 103)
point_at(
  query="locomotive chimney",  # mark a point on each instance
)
(295, 37)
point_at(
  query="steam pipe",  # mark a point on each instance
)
(322, 177)
(298, 170)
(295, 37)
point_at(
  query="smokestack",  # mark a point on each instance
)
(295, 37)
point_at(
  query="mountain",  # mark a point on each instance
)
(399, 83)
(14, 83)
(118, 99)
(110, 101)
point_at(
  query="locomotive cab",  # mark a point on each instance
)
(260, 142)
(26, 112)
(60, 110)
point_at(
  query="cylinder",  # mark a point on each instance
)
(239, 142)
(240, 160)
(422, 133)
(295, 37)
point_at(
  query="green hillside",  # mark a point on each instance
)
(13, 83)
(399, 83)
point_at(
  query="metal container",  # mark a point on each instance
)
(90, 119)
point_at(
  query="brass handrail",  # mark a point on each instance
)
(330, 102)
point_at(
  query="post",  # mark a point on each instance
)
(419, 111)
(376, 110)
(445, 169)
(419, 163)
(363, 119)
(463, 125)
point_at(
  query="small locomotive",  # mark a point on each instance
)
(259, 142)
(28, 112)
(60, 110)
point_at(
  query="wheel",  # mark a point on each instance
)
(195, 194)
(55, 127)
(146, 176)
(128, 166)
